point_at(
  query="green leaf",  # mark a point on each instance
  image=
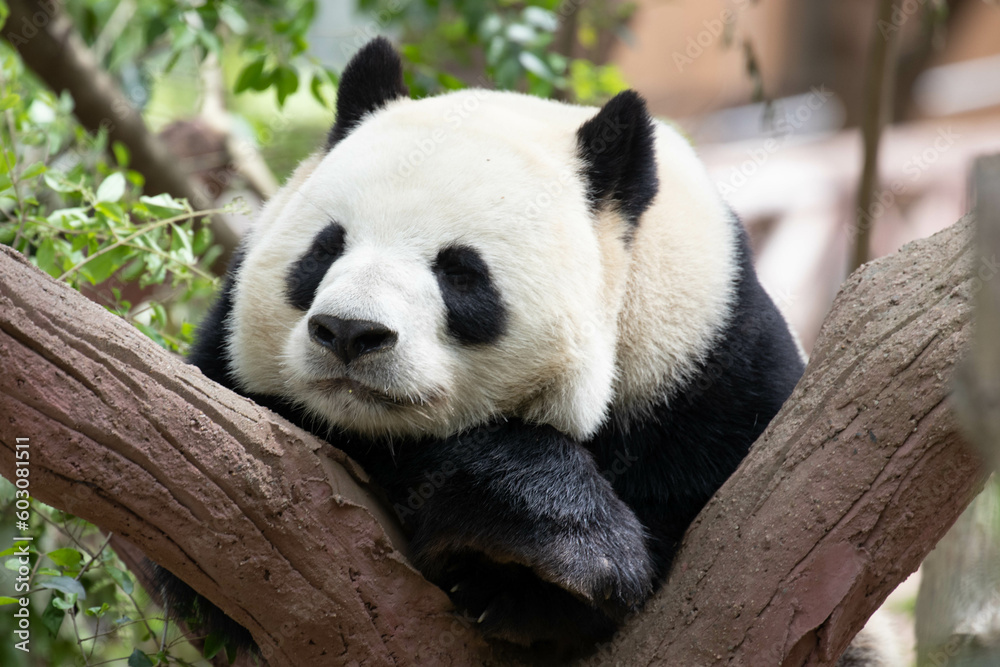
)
(202, 240)
(4, 12)
(102, 267)
(180, 243)
(535, 65)
(9, 101)
(541, 18)
(97, 611)
(34, 170)
(250, 75)
(316, 88)
(112, 188)
(132, 270)
(6, 600)
(287, 83)
(45, 257)
(111, 210)
(214, 643)
(63, 603)
(60, 183)
(121, 154)
(71, 218)
(163, 205)
(123, 579)
(231, 17)
(139, 659)
(15, 550)
(66, 585)
(66, 557)
(80, 241)
(53, 617)
(159, 314)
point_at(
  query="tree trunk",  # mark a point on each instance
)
(852, 484)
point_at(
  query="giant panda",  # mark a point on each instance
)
(544, 307)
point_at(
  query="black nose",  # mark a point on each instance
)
(349, 339)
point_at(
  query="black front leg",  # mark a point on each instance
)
(517, 523)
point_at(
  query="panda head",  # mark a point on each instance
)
(446, 260)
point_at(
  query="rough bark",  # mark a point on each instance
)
(49, 44)
(851, 485)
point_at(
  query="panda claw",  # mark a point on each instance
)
(454, 589)
(482, 617)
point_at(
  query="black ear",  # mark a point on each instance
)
(616, 147)
(373, 78)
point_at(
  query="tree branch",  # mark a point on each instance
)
(852, 484)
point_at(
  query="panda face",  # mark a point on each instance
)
(424, 276)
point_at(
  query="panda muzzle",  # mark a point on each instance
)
(350, 339)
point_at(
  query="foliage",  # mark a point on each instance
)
(515, 42)
(84, 605)
(270, 34)
(80, 217)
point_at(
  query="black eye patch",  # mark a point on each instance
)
(307, 272)
(476, 313)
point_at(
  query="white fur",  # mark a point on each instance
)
(590, 322)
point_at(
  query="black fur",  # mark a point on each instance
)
(209, 350)
(305, 275)
(490, 507)
(476, 312)
(667, 465)
(617, 150)
(372, 79)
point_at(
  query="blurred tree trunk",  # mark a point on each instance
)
(958, 607)
(831, 49)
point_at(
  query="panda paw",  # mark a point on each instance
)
(528, 536)
(510, 603)
(569, 585)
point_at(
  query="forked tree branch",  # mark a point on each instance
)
(851, 485)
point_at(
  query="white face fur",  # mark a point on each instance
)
(588, 321)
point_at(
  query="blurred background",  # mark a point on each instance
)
(838, 131)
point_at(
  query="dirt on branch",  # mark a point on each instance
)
(851, 485)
